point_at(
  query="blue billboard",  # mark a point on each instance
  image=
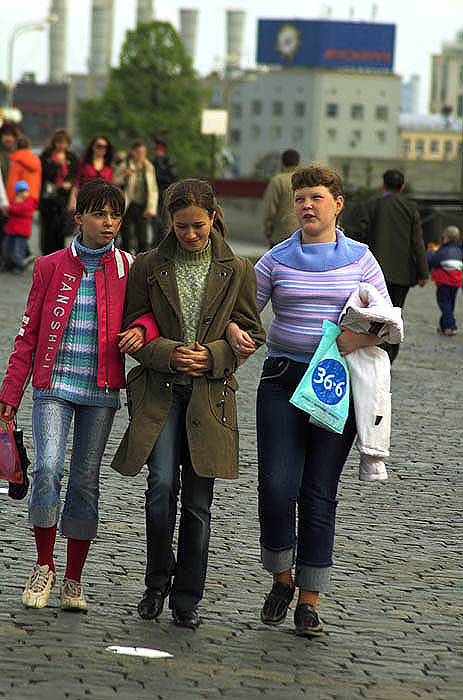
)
(326, 43)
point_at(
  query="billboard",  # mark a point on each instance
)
(326, 43)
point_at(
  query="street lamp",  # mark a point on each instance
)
(19, 29)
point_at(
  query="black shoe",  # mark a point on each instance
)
(186, 618)
(307, 621)
(152, 603)
(276, 604)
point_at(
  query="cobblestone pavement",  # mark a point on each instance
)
(393, 621)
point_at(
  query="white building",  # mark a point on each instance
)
(320, 112)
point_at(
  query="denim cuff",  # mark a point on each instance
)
(78, 529)
(277, 562)
(41, 516)
(313, 578)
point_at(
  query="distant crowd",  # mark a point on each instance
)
(50, 183)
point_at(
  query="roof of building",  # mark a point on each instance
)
(429, 122)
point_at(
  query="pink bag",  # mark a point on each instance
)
(10, 464)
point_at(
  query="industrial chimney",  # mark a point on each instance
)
(101, 41)
(145, 12)
(235, 31)
(188, 30)
(57, 42)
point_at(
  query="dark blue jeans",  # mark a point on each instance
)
(446, 296)
(14, 252)
(299, 464)
(164, 481)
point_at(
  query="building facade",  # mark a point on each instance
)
(320, 112)
(430, 137)
(447, 78)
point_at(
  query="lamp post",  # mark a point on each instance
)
(19, 29)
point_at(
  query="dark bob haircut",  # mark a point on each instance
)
(95, 194)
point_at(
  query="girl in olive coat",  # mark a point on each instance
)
(181, 397)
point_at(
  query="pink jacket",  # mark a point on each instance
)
(54, 288)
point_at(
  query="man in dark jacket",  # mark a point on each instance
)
(390, 225)
(166, 174)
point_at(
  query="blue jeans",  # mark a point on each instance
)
(299, 463)
(51, 421)
(164, 481)
(14, 252)
(446, 296)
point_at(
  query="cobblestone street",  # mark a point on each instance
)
(393, 621)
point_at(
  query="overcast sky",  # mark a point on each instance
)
(421, 28)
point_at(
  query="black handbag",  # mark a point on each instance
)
(19, 491)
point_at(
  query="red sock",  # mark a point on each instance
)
(76, 556)
(45, 543)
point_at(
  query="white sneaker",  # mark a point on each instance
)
(72, 596)
(372, 469)
(38, 587)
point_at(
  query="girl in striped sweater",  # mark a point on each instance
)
(308, 278)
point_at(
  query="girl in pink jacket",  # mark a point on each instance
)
(70, 338)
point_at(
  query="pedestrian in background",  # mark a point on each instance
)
(166, 174)
(136, 176)
(308, 279)
(390, 225)
(96, 163)
(446, 271)
(71, 342)
(24, 165)
(59, 170)
(279, 219)
(18, 228)
(181, 397)
(9, 134)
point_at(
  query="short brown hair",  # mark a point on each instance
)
(315, 175)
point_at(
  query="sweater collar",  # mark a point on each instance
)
(318, 257)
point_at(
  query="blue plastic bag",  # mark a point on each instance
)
(323, 391)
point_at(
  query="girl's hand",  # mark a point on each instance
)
(348, 341)
(132, 339)
(194, 361)
(241, 342)
(7, 412)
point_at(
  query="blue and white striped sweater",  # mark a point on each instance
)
(308, 284)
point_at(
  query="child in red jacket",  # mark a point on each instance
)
(18, 228)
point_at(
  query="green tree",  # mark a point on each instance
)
(153, 92)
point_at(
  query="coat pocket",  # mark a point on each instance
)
(222, 401)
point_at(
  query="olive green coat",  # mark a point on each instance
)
(211, 419)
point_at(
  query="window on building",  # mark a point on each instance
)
(236, 110)
(381, 136)
(356, 111)
(382, 112)
(275, 131)
(406, 147)
(298, 134)
(448, 148)
(331, 134)
(277, 108)
(256, 107)
(255, 131)
(434, 146)
(235, 136)
(460, 106)
(332, 109)
(299, 109)
(419, 147)
(357, 135)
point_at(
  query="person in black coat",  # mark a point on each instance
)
(59, 168)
